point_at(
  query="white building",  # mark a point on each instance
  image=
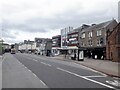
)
(27, 46)
(64, 37)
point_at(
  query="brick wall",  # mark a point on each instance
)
(113, 47)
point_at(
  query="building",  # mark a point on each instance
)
(22, 47)
(16, 46)
(73, 43)
(64, 39)
(1, 41)
(73, 38)
(38, 42)
(93, 39)
(56, 45)
(113, 44)
(6, 47)
(43, 45)
(48, 47)
(119, 11)
(27, 46)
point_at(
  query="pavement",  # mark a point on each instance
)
(0, 72)
(105, 66)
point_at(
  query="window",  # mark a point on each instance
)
(75, 35)
(90, 43)
(90, 34)
(99, 33)
(100, 42)
(83, 35)
(74, 42)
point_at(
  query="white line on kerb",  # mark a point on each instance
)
(85, 78)
(45, 64)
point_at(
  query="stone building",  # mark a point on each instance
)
(113, 44)
(93, 39)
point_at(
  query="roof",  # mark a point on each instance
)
(56, 36)
(118, 25)
(101, 25)
(84, 26)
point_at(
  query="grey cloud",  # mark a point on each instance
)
(23, 27)
(7, 34)
(73, 18)
(69, 18)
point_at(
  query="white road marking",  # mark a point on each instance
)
(85, 78)
(43, 83)
(115, 83)
(32, 73)
(29, 70)
(35, 60)
(92, 70)
(45, 64)
(94, 76)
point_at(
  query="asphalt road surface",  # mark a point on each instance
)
(32, 71)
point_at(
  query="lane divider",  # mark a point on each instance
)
(35, 60)
(45, 64)
(85, 78)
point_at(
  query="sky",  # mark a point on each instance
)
(26, 19)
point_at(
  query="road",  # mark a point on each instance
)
(32, 71)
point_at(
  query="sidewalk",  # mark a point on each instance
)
(108, 67)
(0, 72)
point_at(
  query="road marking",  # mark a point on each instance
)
(32, 73)
(115, 83)
(94, 76)
(43, 83)
(35, 60)
(92, 70)
(85, 78)
(45, 64)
